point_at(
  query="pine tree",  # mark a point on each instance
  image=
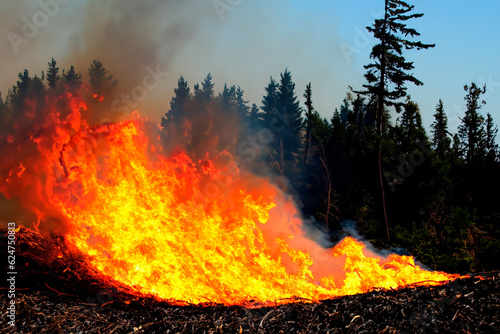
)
(241, 105)
(358, 106)
(283, 116)
(345, 112)
(270, 119)
(456, 147)
(269, 103)
(491, 133)
(52, 74)
(71, 79)
(291, 114)
(440, 135)
(411, 123)
(99, 79)
(387, 76)
(198, 93)
(255, 117)
(178, 104)
(471, 131)
(207, 88)
(228, 97)
(17, 94)
(309, 119)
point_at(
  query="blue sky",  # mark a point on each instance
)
(467, 49)
(254, 40)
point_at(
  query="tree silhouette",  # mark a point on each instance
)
(388, 74)
(471, 131)
(491, 133)
(99, 79)
(440, 135)
(71, 79)
(179, 102)
(309, 119)
(52, 74)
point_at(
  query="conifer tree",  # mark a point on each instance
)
(309, 119)
(207, 87)
(471, 131)
(358, 112)
(53, 74)
(440, 135)
(99, 78)
(180, 99)
(71, 79)
(241, 105)
(228, 96)
(291, 117)
(411, 123)
(255, 118)
(491, 133)
(390, 71)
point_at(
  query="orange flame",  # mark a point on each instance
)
(153, 222)
(98, 97)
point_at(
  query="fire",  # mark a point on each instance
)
(185, 230)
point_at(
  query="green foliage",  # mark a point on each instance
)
(283, 116)
(443, 246)
(387, 75)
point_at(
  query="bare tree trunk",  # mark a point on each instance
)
(380, 120)
(329, 185)
(382, 187)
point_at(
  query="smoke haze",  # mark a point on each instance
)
(241, 44)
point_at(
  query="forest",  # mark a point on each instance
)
(371, 161)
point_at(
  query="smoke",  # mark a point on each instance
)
(133, 39)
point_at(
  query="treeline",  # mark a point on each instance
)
(433, 193)
(438, 203)
(441, 201)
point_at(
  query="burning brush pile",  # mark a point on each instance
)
(59, 292)
(143, 240)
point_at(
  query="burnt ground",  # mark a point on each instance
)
(57, 293)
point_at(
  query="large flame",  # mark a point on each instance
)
(187, 230)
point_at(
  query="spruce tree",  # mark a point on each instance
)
(271, 120)
(269, 103)
(358, 106)
(228, 97)
(471, 131)
(241, 105)
(411, 124)
(207, 87)
(291, 114)
(440, 135)
(491, 133)
(390, 71)
(255, 117)
(99, 78)
(283, 116)
(182, 96)
(52, 74)
(71, 79)
(309, 119)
